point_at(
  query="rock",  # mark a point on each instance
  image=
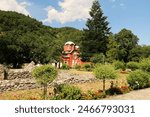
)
(2, 72)
(30, 67)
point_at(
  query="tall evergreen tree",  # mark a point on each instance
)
(95, 37)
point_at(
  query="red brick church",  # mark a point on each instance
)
(70, 55)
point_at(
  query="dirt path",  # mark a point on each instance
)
(143, 94)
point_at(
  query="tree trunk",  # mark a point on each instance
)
(45, 92)
(104, 85)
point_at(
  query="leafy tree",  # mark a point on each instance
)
(95, 36)
(44, 74)
(104, 72)
(122, 45)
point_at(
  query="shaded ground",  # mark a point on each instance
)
(143, 94)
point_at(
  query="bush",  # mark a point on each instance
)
(65, 66)
(104, 72)
(87, 67)
(138, 80)
(67, 92)
(145, 65)
(78, 67)
(119, 65)
(133, 65)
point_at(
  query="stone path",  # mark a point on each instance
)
(143, 94)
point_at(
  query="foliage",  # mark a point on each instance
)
(65, 34)
(104, 72)
(138, 79)
(24, 39)
(145, 64)
(98, 58)
(145, 51)
(67, 92)
(95, 36)
(121, 45)
(133, 65)
(119, 65)
(65, 66)
(44, 75)
(78, 67)
(87, 66)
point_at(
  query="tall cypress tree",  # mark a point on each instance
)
(96, 34)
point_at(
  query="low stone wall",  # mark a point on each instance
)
(17, 79)
(17, 84)
(18, 74)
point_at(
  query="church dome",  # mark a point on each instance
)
(69, 43)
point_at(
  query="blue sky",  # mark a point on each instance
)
(130, 14)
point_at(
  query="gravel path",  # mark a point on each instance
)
(143, 94)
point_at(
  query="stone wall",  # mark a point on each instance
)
(18, 74)
(17, 79)
(17, 84)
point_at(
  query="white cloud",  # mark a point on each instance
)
(13, 5)
(71, 10)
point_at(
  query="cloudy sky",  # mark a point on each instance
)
(130, 14)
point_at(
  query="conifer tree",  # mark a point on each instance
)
(95, 37)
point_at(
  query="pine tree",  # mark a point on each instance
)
(95, 37)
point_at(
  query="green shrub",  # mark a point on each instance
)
(87, 67)
(67, 92)
(65, 66)
(119, 65)
(138, 79)
(78, 67)
(133, 65)
(104, 72)
(145, 65)
(44, 75)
